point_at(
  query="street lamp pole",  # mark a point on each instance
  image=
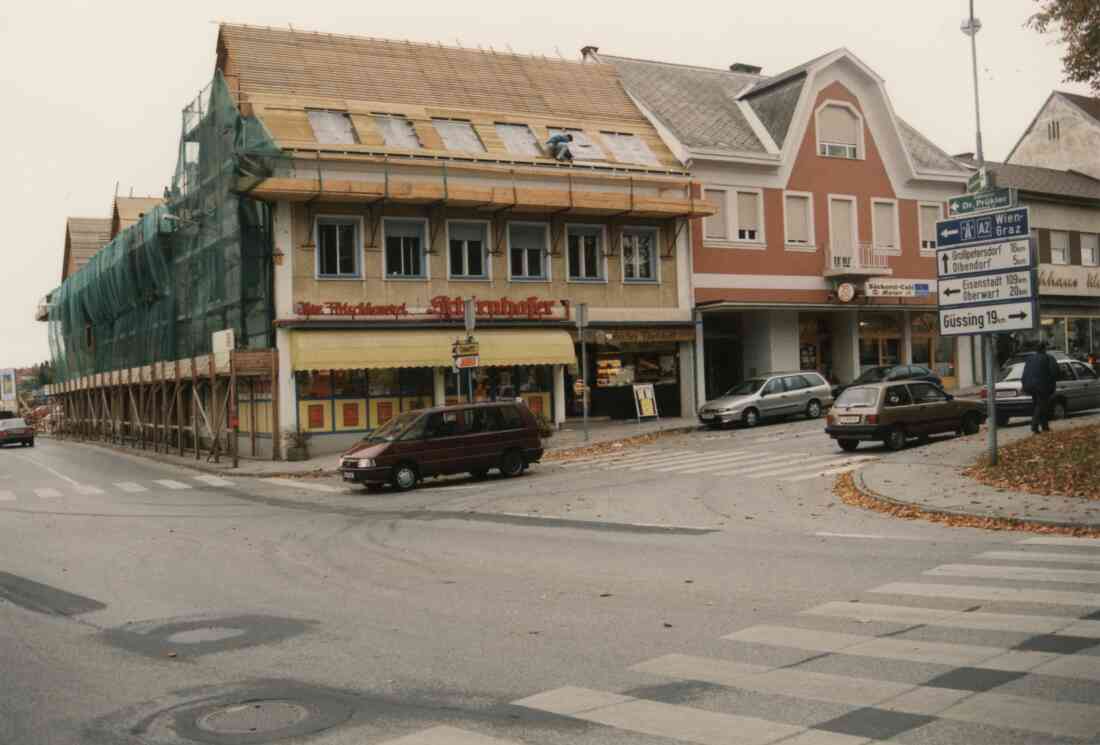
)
(971, 26)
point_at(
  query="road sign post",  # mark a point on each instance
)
(987, 281)
(983, 201)
(469, 320)
(582, 324)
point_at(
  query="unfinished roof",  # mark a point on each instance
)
(292, 80)
(698, 104)
(128, 210)
(84, 236)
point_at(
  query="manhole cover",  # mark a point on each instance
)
(253, 717)
(207, 634)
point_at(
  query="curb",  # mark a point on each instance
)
(972, 519)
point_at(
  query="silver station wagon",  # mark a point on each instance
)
(769, 396)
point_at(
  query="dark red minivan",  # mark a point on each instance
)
(467, 438)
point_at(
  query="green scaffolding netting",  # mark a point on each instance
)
(197, 264)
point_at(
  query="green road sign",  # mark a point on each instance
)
(983, 201)
(980, 180)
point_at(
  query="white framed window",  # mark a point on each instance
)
(798, 221)
(641, 262)
(405, 242)
(1059, 247)
(585, 261)
(884, 226)
(527, 251)
(518, 139)
(748, 218)
(467, 257)
(332, 127)
(839, 131)
(583, 147)
(930, 213)
(397, 131)
(458, 135)
(629, 148)
(714, 227)
(339, 250)
(1090, 249)
(843, 232)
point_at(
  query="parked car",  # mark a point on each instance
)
(772, 395)
(886, 373)
(470, 438)
(16, 430)
(1078, 388)
(894, 412)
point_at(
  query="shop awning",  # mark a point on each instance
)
(355, 350)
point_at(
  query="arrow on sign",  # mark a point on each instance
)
(945, 233)
(949, 292)
(945, 264)
(1019, 316)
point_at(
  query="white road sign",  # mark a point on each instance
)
(990, 257)
(985, 319)
(986, 288)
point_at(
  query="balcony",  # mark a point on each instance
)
(858, 260)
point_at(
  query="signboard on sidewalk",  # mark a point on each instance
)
(987, 228)
(645, 401)
(988, 319)
(991, 257)
(7, 385)
(988, 288)
(983, 201)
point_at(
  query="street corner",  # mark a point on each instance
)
(198, 636)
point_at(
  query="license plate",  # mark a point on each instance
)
(848, 419)
(349, 476)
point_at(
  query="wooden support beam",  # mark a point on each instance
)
(276, 430)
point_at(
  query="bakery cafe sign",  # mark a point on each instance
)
(442, 308)
(1078, 281)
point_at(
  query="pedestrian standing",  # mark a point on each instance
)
(1039, 381)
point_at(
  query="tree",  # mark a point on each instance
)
(1079, 21)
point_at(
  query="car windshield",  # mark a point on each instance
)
(1011, 372)
(747, 388)
(12, 424)
(393, 429)
(858, 397)
(872, 375)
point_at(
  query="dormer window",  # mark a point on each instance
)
(839, 131)
(397, 131)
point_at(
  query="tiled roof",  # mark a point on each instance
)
(1089, 104)
(775, 106)
(1040, 180)
(698, 104)
(84, 236)
(281, 61)
(129, 209)
(925, 154)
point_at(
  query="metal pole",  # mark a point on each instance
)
(977, 106)
(584, 377)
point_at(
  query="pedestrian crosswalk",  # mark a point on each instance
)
(750, 464)
(65, 490)
(1023, 667)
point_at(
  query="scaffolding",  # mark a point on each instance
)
(131, 334)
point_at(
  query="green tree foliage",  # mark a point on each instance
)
(1079, 23)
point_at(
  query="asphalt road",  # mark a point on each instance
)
(707, 589)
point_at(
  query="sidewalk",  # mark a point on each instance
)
(930, 479)
(568, 438)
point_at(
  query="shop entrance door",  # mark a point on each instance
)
(876, 351)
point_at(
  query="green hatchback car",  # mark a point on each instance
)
(895, 412)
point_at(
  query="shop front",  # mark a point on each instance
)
(1069, 314)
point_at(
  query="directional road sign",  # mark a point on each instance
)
(991, 257)
(995, 226)
(986, 319)
(987, 288)
(983, 201)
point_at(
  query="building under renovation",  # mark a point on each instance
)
(335, 199)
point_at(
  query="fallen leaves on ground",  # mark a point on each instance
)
(602, 448)
(1065, 463)
(845, 488)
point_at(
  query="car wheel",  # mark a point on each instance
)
(848, 446)
(511, 463)
(971, 423)
(813, 409)
(896, 439)
(1058, 410)
(750, 418)
(480, 473)
(32, 443)
(405, 477)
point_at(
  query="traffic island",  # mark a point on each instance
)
(1062, 463)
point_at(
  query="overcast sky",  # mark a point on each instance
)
(92, 91)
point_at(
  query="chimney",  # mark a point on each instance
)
(589, 51)
(742, 67)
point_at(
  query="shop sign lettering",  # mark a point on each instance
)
(532, 307)
(351, 309)
(1069, 280)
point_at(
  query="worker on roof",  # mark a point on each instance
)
(558, 145)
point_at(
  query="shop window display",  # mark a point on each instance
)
(356, 400)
